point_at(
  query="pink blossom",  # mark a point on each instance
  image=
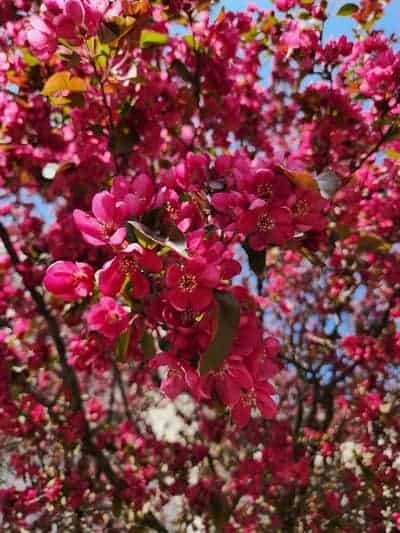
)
(69, 280)
(108, 318)
(308, 210)
(133, 261)
(189, 286)
(258, 396)
(229, 380)
(107, 225)
(41, 37)
(136, 194)
(266, 225)
(180, 377)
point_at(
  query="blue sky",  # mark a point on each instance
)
(335, 26)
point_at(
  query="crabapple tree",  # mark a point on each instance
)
(199, 269)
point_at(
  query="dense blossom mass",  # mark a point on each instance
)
(199, 269)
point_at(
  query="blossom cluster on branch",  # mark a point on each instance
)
(199, 212)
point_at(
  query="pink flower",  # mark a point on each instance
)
(137, 194)
(108, 225)
(180, 377)
(266, 225)
(258, 396)
(69, 280)
(396, 518)
(132, 261)
(190, 285)
(285, 5)
(73, 18)
(264, 362)
(308, 211)
(268, 186)
(108, 318)
(94, 409)
(41, 37)
(229, 380)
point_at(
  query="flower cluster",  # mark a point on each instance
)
(199, 267)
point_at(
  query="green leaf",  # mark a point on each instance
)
(392, 154)
(342, 231)
(29, 59)
(369, 242)
(347, 10)
(256, 261)
(72, 59)
(63, 81)
(147, 344)
(113, 30)
(123, 139)
(304, 15)
(191, 42)
(228, 316)
(393, 133)
(109, 32)
(152, 38)
(182, 70)
(123, 345)
(250, 35)
(175, 239)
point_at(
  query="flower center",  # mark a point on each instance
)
(112, 317)
(79, 277)
(265, 222)
(188, 317)
(301, 207)
(108, 229)
(188, 283)
(170, 209)
(248, 398)
(264, 190)
(174, 372)
(128, 264)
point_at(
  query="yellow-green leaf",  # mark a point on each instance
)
(63, 81)
(148, 238)
(369, 242)
(152, 38)
(347, 9)
(392, 154)
(148, 345)
(123, 345)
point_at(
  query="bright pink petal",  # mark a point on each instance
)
(179, 299)
(259, 241)
(74, 10)
(111, 278)
(267, 406)
(200, 299)
(227, 390)
(209, 277)
(242, 376)
(174, 274)
(241, 414)
(118, 237)
(91, 230)
(151, 261)
(140, 285)
(103, 207)
(173, 384)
